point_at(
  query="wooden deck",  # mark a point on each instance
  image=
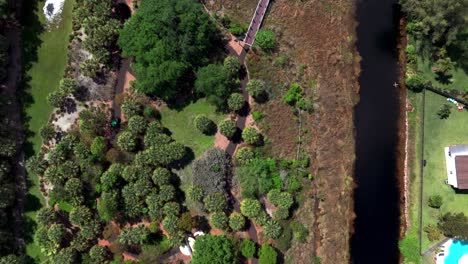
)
(256, 21)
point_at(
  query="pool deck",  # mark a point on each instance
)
(445, 249)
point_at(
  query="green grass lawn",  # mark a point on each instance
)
(440, 133)
(180, 123)
(45, 75)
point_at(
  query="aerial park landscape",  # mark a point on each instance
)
(184, 131)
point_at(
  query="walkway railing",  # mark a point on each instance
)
(256, 21)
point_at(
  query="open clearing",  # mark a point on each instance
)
(440, 133)
(44, 75)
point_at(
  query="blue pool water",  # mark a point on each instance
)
(456, 251)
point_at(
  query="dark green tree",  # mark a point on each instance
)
(227, 128)
(214, 82)
(248, 248)
(236, 101)
(454, 225)
(204, 124)
(236, 221)
(214, 249)
(155, 29)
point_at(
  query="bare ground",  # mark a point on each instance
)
(318, 38)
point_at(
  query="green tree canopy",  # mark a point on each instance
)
(167, 39)
(215, 83)
(267, 255)
(214, 249)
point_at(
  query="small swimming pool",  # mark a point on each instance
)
(455, 252)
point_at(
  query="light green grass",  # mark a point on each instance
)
(45, 75)
(180, 123)
(441, 133)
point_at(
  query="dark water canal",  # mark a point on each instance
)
(376, 116)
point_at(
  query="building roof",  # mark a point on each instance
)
(461, 164)
(458, 149)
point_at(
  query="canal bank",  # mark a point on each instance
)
(380, 135)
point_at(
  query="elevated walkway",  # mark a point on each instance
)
(256, 22)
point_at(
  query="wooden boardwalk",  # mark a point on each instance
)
(256, 21)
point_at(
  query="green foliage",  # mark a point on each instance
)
(232, 66)
(250, 207)
(281, 199)
(444, 111)
(186, 222)
(248, 248)
(236, 221)
(251, 135)
(236, 101)
(99, 147)
(435, 201)
(137, 124)
(46, 216)
(238, 28)
(415, 83)
(127, 141)
(56, 233)
(409, 248)
(98, 254)
(155, 29)
(215, 83)
(245, 155)
(47, 132)
(294, 94)
(130, 107)
(204, 124)
(267, 255)
(256, 89)
(150, 112)
(293, 184)
(80, 215)
(300, 232)
(171, 208)
(257, 115)
(171, 224)
(215, 202)
(161, 176)
(281, 213)
(227, 128)
(108, 205)
(92, 121)
(272, 229)
(454, 225)
(90, 67)
(134, 235)
(195, 193)
(433, 233)
(214, 249)
(219, 220)
(266, 39)
(258, 177)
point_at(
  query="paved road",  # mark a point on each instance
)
(256, 22)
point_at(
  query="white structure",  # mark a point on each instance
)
(456, 161)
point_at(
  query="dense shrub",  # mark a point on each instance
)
(215, 83)
(214, 249)
(300, 232)
(244, 155)
(236, 221)
(236, 101)
(227, 128)
(256, 89)
(127, 141)
(211, 171)
(294, 94)
(248, 248)
(266, 39)
(258, 177)
(272, 229)
(267, 255)
(137, 124)
(435, 201)
(134, 235)
(415, 83)
(232, 66)
(251, 135)
(130, 107)
(454, 225)
(281, 213)
(238, 28)
(204, 124)
(219, 220)
(433, 233)
(215, 202)
(250, 207)
(281, 199)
